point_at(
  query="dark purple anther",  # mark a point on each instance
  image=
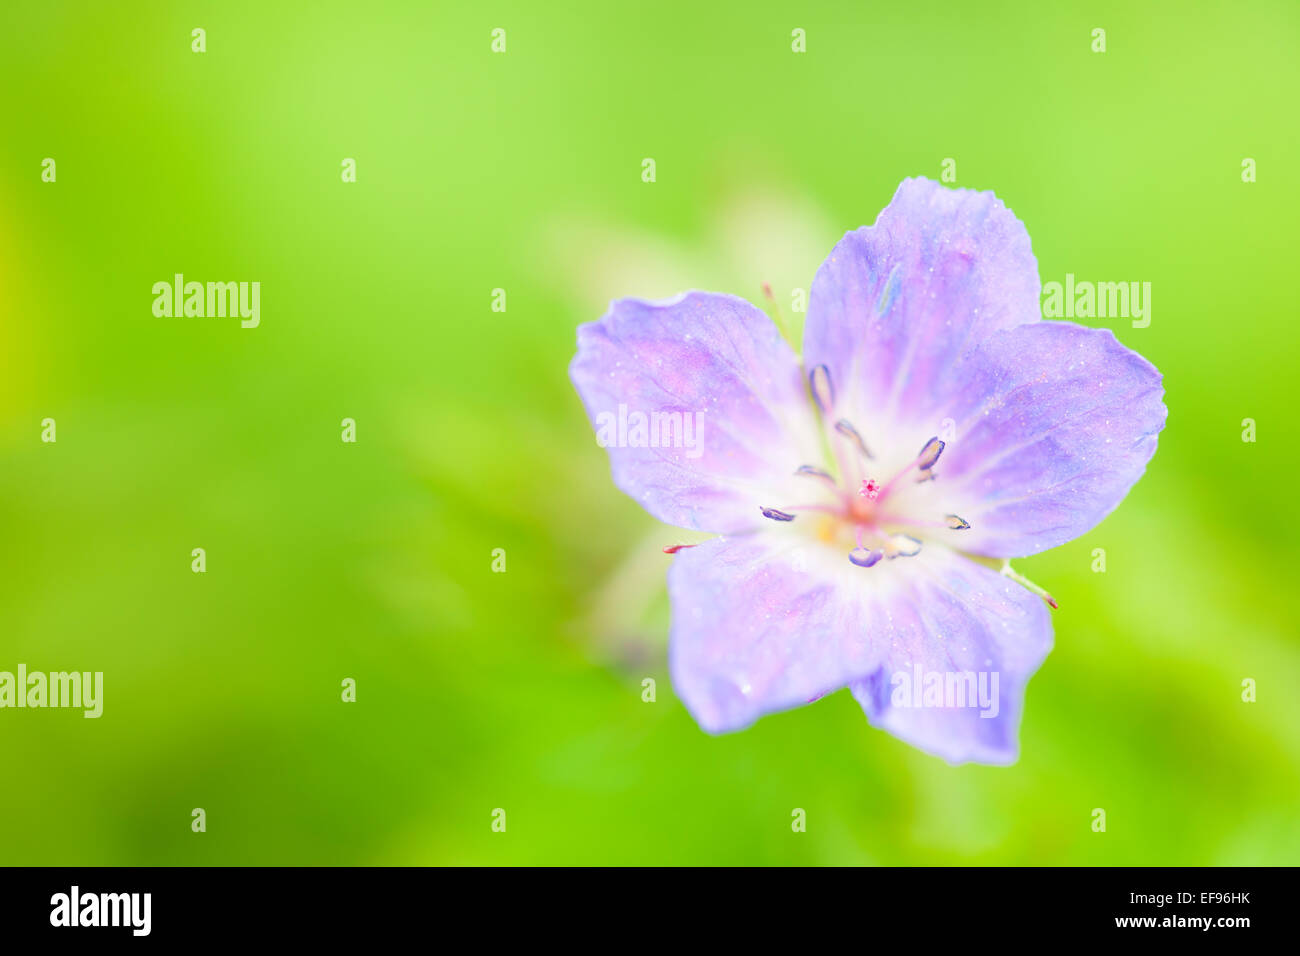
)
(864, 558)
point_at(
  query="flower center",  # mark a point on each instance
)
(858, 506)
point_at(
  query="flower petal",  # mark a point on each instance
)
(970, 637)
(896, 305)
(769, 621)
(714, 362)
(1055, 423)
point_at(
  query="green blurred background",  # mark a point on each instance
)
(522, 171)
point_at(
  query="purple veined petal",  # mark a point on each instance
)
(1055, 422)
(961, 643)
(897, 304)
(767, 621)
(727, 418)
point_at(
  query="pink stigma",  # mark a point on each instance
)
(870, 488)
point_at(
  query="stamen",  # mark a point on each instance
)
(903, 546)
(819, 379)
(925, 461)
(864, 558)
(776, 515)
(926, 476)
(930, 454)
(846, 429)
(953, 522)
(816, 473)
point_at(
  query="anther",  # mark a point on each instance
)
(846, 429)
(903, 546)
(815, 473)
(930, 454)
(864, 558)
(956, 522)
(776, 515)
(819, 379)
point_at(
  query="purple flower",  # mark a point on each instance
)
(866, 502)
